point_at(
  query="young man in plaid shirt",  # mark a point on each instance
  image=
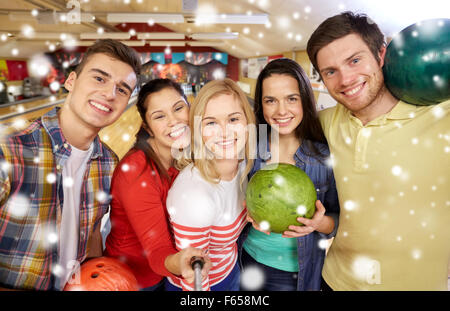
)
(55, 175)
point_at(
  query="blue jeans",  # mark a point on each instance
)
(274, 279)
(230, 283)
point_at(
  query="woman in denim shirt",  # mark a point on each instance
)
(284, 101)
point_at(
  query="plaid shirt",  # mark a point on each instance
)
(31, 200)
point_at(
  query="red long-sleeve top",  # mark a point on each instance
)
(140, 232)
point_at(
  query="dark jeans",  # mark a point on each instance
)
(274, 279)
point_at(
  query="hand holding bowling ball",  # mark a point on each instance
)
(277, 195)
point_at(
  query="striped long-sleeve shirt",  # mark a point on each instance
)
(207, 216)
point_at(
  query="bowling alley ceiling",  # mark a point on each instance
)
(242, 28)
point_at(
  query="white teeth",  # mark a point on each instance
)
(98, 106)
(353, 91)
(283, 120)
(226, 143)
(177, 132)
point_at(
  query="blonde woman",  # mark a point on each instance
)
(205, 203)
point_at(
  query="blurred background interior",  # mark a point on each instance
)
(190, 41)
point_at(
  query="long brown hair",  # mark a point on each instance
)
(309, 130)
(143, 135)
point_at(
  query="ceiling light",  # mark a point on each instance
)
(143, 18)
(105, 35)
(84, 18)
(161, 35)
(83, 43)
(47, 17)
(134, 42)
(27, 31)
(166, 43)
(21, 17)
(214, 35)
(230, 19)
(206, 43)
(45, 35)
(284, 22)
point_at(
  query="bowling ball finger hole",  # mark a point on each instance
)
(94, 275)
(100, 265)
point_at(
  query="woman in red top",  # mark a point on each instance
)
(140, 234)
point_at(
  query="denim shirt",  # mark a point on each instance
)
(310, 255)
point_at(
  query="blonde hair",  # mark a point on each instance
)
(201, 156)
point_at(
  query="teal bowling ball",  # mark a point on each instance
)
(417, 63)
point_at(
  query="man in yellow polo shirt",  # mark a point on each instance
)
(391, 162)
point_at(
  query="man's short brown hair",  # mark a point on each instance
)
(116, 50)
(341, 25)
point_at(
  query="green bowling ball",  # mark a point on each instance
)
(278, 194)
(417, 63)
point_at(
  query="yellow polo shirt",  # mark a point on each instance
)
(392, 177)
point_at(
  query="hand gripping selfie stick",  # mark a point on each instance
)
(197, 265)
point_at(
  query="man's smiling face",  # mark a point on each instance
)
(350, 72)
(100, 92)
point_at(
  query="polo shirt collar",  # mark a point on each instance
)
(401, 111)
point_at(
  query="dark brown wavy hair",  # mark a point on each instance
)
(341, 25)
(114, 49)
(309, 130)
(143, 135)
